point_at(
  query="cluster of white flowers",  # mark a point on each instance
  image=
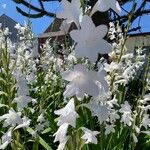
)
(85, 83)
(14, 121)
(90, 42)
(94, 92)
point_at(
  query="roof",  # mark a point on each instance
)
(10, 23)
(58, 28)
(55, 26)
(139, 34)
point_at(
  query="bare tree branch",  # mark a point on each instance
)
(140, 11)
(29, 15)
(28, 5)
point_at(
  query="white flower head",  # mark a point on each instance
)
(81, 81)
(125, 108)
(21, 83)
(61, 146)
(146, 121)
(41, 118)
(126, 113)
(67, 114)
(89, 136)
(113, 102)
(12, 118)
(25, 123)
(22, 101)
(101, 77)
(72, 11)
(6, 139)
(113, 116)
(98, 110)
(39, 127)
(90, 40)
(60, 135)
(104, 5)
(127, 118)
(18, 26)
(111, 67)
(109, 129)
(134, 138)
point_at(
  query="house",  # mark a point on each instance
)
(138, 39)
(6, 21)
(53, 32)
(57, 31)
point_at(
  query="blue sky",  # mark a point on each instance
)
(39, 25)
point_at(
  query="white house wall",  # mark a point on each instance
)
(135, 41)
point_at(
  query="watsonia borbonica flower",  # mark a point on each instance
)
(67, 114)
(72, 11)
(82, 81)
(91, 43)
(104, 5)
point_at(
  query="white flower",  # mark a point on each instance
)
(145, 99)
(21, 84)
(113, 116)
(134, 138)
(39, 127)
(18, 26)
(104, 5)
(125, 108)
(113, 102)
(12, 118)
(60, 135)
(67, 114)
(62, 144)
(109, 129)
(6, 32)
(71, 11)
(126, 114)
(101, 77)
(41, 118)
(33, 133)
(89, 136)
(70, 119)
(25, 123)
(146, 121)
(127, 118)
(81, 82)
(90, 40)
(6, 139)
(71, 57)
(22, 101)
(99, 110)
(146, 132)
(111, 67)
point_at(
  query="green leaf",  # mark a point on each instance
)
(1, 79)
(41, 141)
(46, 130)
(3, 93)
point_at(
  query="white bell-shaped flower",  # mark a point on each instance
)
(67, 114)
(81, 81)
(89, 136)
(72, 11)
(90, 40)
(104, 5)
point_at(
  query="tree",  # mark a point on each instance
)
(139, 10)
